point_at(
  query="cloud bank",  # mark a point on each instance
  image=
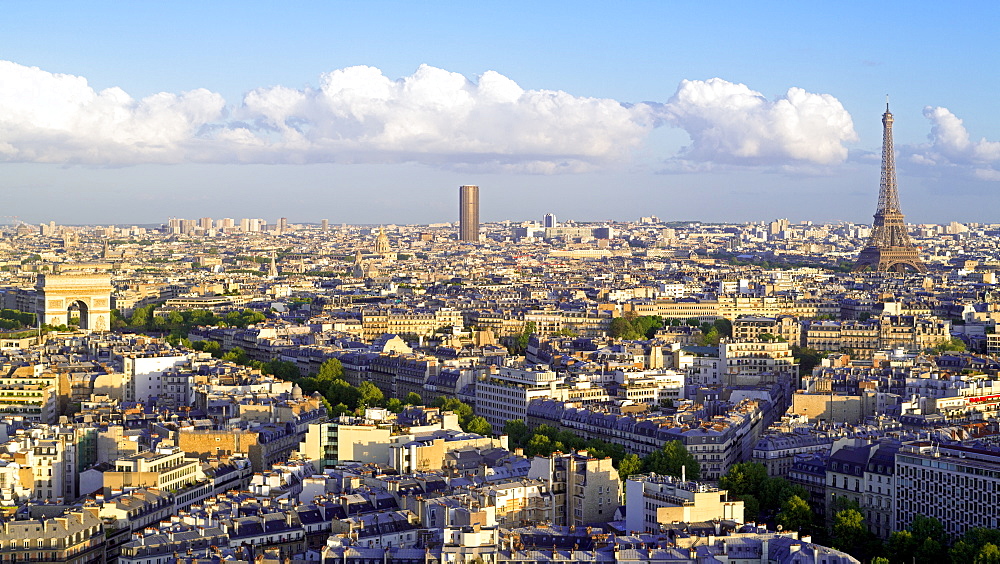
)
(433, 116)
(950, 145)
(357, 114)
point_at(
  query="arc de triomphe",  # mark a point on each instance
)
(89, 294)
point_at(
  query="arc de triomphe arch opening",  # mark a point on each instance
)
(86, 296)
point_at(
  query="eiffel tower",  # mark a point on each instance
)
(889, 248)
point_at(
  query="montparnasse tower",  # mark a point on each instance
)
(889, 248)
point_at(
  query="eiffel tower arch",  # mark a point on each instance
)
(889, 248)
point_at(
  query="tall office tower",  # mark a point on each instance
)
(889, 247)
(468, 213)
(205, 223)
(324, 225)
(549, 220)
(282, 224)
(226, 223)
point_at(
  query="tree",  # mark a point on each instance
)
(724, 327)
(849, 531)
(929, 537)
(966, 549)
(175, 319)
(480, 426)
(630, 464)
(522, 339)
(413, 398)
(282, 369)
(989, 554)
(235, 354)
(670, 459)
(902, 546)
(647, 325)
(517, 432)
(744, 478)
(962, 552)
(751, 507)
(880, 560)
(774, 492)
(930, 551)
(795, 514)
(927, 527)
(340, 392)
(140, 316)
(369, 394)
(463, 410)
(331, 369)
(807, 359)
(621, 328)
(538, 445)
(949, 345)
(711, 338)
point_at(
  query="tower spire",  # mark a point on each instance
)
(889, 248)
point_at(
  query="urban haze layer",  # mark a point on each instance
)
(239, 390)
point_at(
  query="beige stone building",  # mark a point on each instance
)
(750, 328)
(167, 470)
(652, 500)
(585, 489)
(331, 443)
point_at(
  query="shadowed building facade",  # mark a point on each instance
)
(468, 213)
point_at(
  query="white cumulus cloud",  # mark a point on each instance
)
(356, 114)
(731, 124)
(950, 144)
(59, 118)
(432, 116)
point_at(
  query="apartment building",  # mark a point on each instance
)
(585, 489)
(652, 500)
(783, 327)
(955, 483)
(166, 469)
(750, 363)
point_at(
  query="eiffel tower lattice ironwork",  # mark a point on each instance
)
(889, 249)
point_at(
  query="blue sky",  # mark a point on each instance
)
(375, 112)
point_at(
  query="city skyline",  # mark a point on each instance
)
(105, 119)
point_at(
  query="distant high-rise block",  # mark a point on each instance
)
(549, 220)
(324, 225)
(468, 213)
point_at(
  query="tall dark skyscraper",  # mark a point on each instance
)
(468, 213)
(889, 248)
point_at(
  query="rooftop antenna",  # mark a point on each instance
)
(887, 102)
